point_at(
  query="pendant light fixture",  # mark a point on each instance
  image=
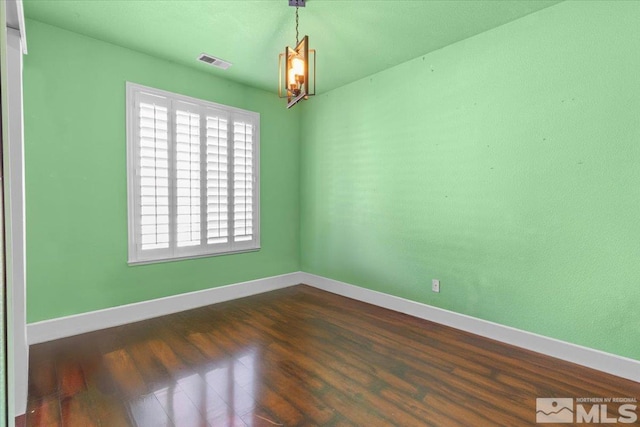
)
(294, 68)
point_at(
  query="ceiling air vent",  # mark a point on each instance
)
(213, 61)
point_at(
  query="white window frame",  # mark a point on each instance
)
(136, 92)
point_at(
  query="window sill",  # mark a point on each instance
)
(182, 258)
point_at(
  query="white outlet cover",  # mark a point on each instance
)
(435, 285)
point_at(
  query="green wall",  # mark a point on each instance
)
(76, 188)
(505, 165)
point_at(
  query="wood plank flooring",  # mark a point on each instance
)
(297, 357)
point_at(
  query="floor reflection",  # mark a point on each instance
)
(220, 395)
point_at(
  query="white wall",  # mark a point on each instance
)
(13, 166)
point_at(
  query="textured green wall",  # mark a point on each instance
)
(76, 188)
(505, 165)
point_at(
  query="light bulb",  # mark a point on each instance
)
(292, 78)
(296, 72)
(297, 64)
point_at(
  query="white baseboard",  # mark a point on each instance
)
(87, 322)
(62, 327)
(595, 359)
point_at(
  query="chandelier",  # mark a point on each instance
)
(295, 81)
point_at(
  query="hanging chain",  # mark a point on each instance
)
(296, 25)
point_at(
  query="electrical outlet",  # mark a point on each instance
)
(435, 285)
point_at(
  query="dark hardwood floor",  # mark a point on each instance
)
(297, 357)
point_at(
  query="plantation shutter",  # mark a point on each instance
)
(217, 180)
(187, 174)
(242, 181)
(152, 168)
(193, 168)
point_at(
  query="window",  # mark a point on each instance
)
(192, 177)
